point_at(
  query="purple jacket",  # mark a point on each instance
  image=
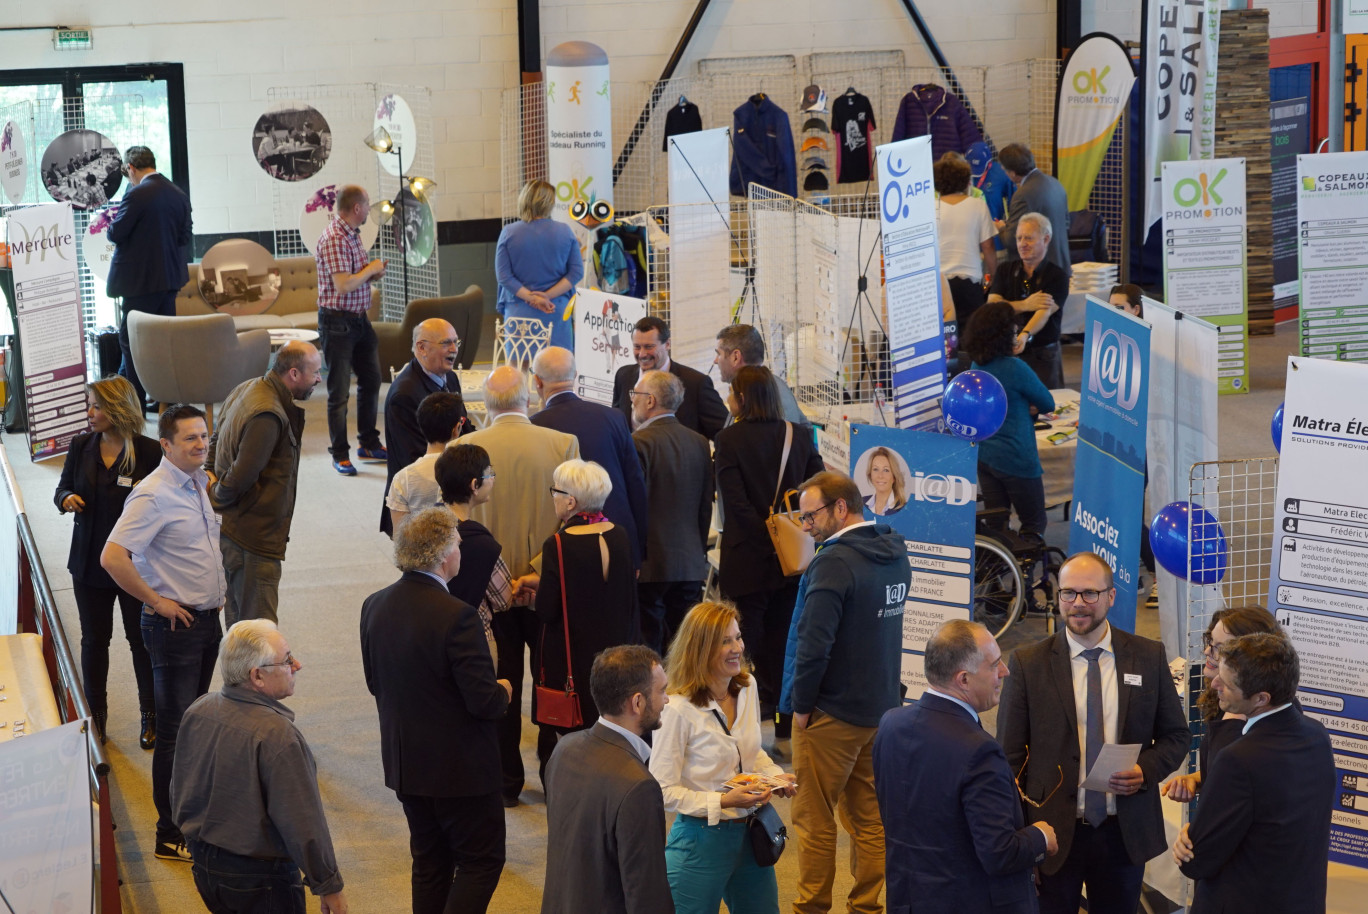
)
(930, 109)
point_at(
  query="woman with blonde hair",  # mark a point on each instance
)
(882, 473)
(537, 263)
(710, 732)
(101, 468)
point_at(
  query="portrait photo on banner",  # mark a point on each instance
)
(884, 480)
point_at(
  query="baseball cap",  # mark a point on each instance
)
(814, 161)
(814, 142)
(815, 123)
(816, 181)
(978, 156)
(814, 98)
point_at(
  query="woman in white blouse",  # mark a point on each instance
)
(709, 732)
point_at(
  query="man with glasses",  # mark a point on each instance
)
(701, 409)
(244, 791)
(1067, 696)
(846, 640)
(956, 836)
(432, 368)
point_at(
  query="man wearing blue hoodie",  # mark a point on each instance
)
(847, 658)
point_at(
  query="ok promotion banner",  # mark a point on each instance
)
(1109, 472)
(1204, 256)
(603, 340)
(1332, 255)
(1089, 101)
(916, 340)
(925, 486)
(1318, 581)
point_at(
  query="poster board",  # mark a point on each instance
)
(603, 340)
(1332, 255)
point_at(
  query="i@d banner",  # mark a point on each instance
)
(1089, 101)
(1109, 473)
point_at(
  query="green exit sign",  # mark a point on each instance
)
(71, 39)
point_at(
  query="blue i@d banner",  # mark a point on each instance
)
(925, 486)
(1109, 474)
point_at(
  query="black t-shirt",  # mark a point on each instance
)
(852, 117)
(682, 118)
(1011, 282)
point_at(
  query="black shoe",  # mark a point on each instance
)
(172, 850)
(98, 719)
(147, 738)
(510, 802)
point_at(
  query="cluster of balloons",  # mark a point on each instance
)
(975, 405)
(1189, 542)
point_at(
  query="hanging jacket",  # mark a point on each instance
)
(762, 148)
(930, 109)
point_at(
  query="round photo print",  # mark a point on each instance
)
(394, 114)
(13, 162)
(82, 167)
(291, 141)
(96, 247)
(415, 235)
(884, 481)
(238, 276)
(318, 209)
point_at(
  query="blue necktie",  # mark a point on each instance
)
(1095, 802)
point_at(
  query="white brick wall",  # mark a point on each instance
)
(465, 51)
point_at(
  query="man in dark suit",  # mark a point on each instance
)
(702, 409)
(427, 663)
(679, 493)
(954, 835)
(605, 811)
(1036, 192)
(435, 346)
(151, 237)
(603, 438)
(1261, 837)
(1067, 696)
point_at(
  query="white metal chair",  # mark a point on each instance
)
(517, 340)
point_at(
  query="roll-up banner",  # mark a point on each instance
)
(1181, 39)
(1089, 101)
(916, 338)
(1205, 256)
(924, 485)
(1318, 582)
(1109, 472)
(1332, 255)
(579, 125)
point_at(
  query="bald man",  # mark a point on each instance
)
(521, 516)
(435, 347)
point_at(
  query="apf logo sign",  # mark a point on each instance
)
(41, 242)
(1114, 371)
(897, 195)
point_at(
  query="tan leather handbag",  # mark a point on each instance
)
(793, 546)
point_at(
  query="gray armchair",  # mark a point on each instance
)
(195, 359)
(465, 312)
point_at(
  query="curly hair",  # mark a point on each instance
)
(952, 173)
(991, 333)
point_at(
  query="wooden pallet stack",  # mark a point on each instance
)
(1242, 131)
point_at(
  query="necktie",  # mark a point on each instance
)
(1095, 803)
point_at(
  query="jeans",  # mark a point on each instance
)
(1026, 495)
(95, 606)
(230, 883)
(708, 864)
(182, 665)
(253, 584)
(663, 607)
(458, 851)
(348, 343)
(163, 303)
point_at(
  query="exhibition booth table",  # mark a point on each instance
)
(1057, 442)
(26, 701)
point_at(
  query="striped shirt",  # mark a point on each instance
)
(340, 251)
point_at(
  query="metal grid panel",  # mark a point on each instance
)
(350, 113)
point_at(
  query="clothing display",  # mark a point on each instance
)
(930, 109)
(816, 180)
(815, 123)
(814, 142)
(762, 148)
(852, 119)
(681, 118)
(990, 180)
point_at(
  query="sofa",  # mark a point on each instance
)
(296, 307)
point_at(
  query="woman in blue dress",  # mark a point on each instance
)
(538, 263)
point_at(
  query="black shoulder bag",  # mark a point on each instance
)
(764, 826)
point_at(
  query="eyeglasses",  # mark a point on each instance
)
(1089, 596)
(640, 393)
(288, 661)
(1022, 793)
(490, 475)
(555, 491)
(809, 516)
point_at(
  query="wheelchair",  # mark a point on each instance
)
(1014, 576)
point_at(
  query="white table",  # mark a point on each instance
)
(1057, 458)
(282, 335)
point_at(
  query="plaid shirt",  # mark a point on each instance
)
(340, 251)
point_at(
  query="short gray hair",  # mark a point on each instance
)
(953, 648)
(665, 387)
(554, 365)
(1041, 221)
(425, 539)
(587, 481)
(512, 398)
(246, 646)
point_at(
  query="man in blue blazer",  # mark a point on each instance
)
(603, 437)
(955, 838)
(151, 237)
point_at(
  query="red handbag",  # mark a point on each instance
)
(559, 707)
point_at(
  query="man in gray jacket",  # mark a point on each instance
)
(244, 790)
(254, 465)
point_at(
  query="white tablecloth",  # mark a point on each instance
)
(1057, 459)
(28, 705)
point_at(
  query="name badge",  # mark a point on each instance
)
(125, 481)
(1132, 679)
(218, 519)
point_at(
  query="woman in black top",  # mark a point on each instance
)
(101, 468)
(747, 458)
(466, 478)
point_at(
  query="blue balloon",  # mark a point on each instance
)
(975, 405)
(1168, 535)
(1275, 427)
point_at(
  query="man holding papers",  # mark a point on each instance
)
(1067, 697)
